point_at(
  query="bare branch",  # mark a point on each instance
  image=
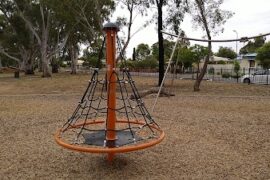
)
(60, 47)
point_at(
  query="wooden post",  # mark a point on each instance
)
(111, 30)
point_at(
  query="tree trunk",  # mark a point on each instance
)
(28, 62)
(45, 67)
(204, 69)
(46, 72)
(160, 44)
(1, 63)
(198, 81)
(74, 59)
(55, 66)
(28, 67)
(45, 63)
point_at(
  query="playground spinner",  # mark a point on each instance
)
(106, 119)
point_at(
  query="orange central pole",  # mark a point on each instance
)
(111, 30)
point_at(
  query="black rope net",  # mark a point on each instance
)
(88, 123)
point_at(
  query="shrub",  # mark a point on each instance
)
(211, 70)
(129, 64)
(226, 75)
(221, 62)
(235, 76)
(137, 65)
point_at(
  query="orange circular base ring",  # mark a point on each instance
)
(122, 149)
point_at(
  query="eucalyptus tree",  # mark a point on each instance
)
(40, 19)
(263, 55)
(209, 17)
(18, 43)
(199, 53)
(176, 10)
(89, 17)
(142, 51)
(134, 8)
(253, 45)
(226, 52)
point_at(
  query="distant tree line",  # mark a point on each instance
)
(41, 33)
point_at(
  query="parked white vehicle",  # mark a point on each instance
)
(259, 77)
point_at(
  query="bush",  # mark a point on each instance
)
(149, 63)
(211, 70)
(235, 76)
(128, 64)
(221, 62)
(226, 75)
(146, 64)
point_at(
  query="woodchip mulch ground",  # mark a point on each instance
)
(222, 132)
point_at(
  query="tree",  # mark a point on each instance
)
(17, 42)
(175, 16)
(168, 47)
(226, 52)
(88, 17)
(200, 53)
(186, 57)
(142, 51)
(208, 15)
(134, 8)
(41, 20)
(263, 55)
(252, 46)
(236, 69)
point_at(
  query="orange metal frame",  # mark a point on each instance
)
(111, 78)
(122, 149)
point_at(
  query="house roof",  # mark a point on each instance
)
(249, 56)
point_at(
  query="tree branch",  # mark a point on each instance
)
(30, 26)
(60, 47)
(8, 55)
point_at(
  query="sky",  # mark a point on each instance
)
(251, 18)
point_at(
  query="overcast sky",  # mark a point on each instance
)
(251, 17)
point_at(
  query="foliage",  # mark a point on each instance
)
(221, 62)
(208, 15)
(211, 14)
(199, 52)
(175, 17)
(149, 63)
(142, 51)
(91, 57)
(226, 75)
(168, 48)
(226, 52)
(39, 30)
(186, 57)
(236, 67)
(211, 70)
(263, 55)
(252, 46)
(16, 41)
(134, 7)
(146, 64)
